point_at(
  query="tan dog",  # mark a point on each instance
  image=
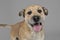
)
(32, 28)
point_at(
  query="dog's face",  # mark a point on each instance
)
(35, 16)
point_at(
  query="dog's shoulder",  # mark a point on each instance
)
(18, 24)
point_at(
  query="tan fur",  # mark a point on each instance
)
(21, 29)
(26, 34)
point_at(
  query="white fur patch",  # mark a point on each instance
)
(37, 36)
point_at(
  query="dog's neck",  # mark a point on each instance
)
(26, 33)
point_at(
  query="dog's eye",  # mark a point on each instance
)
(39, 11)
(29, 12)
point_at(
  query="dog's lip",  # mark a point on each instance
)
(36, 24)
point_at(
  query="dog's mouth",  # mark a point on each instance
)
(37, 26)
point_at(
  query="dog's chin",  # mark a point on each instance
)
(37, 27)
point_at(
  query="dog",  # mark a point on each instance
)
(32, 28)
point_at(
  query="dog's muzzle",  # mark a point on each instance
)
(37, 25)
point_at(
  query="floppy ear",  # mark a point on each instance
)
(22, 13)
(45, 11)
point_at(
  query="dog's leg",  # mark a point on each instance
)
(42, 37)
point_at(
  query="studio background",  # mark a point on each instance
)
(9, 10)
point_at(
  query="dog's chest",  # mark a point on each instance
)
(36, 36)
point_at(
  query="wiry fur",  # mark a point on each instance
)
(23, 30)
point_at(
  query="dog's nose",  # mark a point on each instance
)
(36, 18)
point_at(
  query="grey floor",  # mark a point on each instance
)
(9, 14)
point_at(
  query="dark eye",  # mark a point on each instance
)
(39, 11)
(29, 12)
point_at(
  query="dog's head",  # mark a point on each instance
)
(34, 16)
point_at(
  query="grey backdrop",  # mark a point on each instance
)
(9, 14)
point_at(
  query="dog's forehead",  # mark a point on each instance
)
(33, 7)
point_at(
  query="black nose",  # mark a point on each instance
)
(36, 18)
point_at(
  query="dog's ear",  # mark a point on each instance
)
(45, 11)
(22, 13)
